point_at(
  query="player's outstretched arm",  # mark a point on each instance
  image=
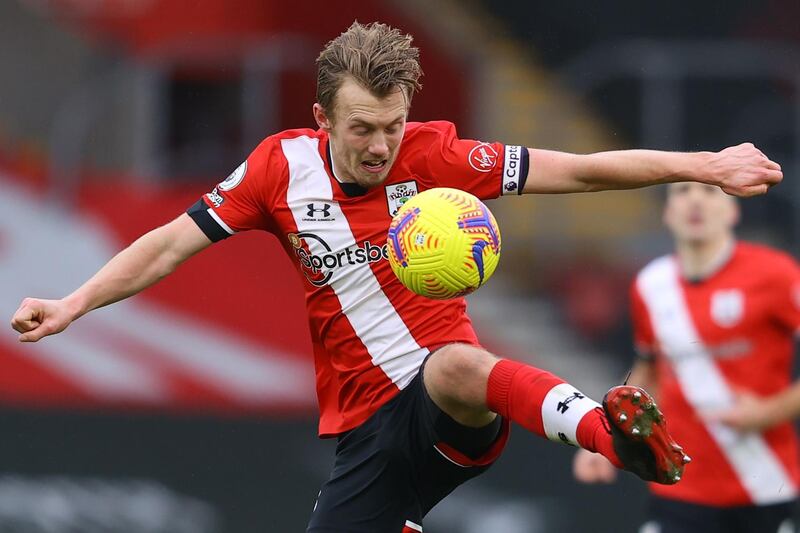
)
(741, 170)
(147, 260)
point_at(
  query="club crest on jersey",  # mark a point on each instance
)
(235, 178)
(398, 194)
(483, 157)
(727, 307)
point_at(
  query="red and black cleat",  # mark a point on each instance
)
(640, 436)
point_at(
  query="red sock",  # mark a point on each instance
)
(548, 406)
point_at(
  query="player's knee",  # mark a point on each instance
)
(459, 372)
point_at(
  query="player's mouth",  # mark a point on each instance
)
(374, 166)
(696, 219)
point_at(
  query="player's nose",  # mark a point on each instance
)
(379, 147)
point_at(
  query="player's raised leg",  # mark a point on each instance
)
(471, 385)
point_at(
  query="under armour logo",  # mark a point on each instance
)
(325, 210)
(563, 405)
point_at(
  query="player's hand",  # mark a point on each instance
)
(589, 467)
(743, 170)
(38, 318)
(749, 413)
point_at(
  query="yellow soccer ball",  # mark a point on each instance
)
(443, 243)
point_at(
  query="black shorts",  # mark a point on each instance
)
(392, 469)
(671, 516)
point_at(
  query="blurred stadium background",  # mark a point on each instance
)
(191, 408)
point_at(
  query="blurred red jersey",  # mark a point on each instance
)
(370, 334)
(732, 331)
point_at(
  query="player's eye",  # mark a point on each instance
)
(395, 127)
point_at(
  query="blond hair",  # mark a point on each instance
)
(377, 56)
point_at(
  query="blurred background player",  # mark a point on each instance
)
(715, 328)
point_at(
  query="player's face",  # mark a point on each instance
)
(365, 132)
(696, 213)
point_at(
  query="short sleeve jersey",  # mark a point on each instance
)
(733, 331)
(370, 334)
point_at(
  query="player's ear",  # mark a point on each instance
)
(321, 117)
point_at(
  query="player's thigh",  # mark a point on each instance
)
(670, 516)
(371, 486)
(777, 518)
(391, 470)
(447, 453)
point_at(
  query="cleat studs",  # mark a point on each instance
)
(686, 459)
(649, 406)
(635, 431)
(637, 396)
(676, 478)
(638, 413)
(622, 417)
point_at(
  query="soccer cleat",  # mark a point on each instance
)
(640, 437)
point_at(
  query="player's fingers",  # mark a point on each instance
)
(741, 192)
(772, 165)
(42, 330)
(604, 472)
(26, 311)
(585, 474)
(589, 467)
(581, 467)
(752, 190)
(607, 473)
(26, 303)
(23, 326)
(23, 313)
(22, 316)
(773, 176)
(729, 417)
(31, 336)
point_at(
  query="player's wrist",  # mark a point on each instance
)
(701, 168)
(75, 306)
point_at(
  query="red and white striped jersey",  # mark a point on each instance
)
(370, 334)
(730, 332)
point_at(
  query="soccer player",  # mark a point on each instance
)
(417, 405)
(714, 328)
